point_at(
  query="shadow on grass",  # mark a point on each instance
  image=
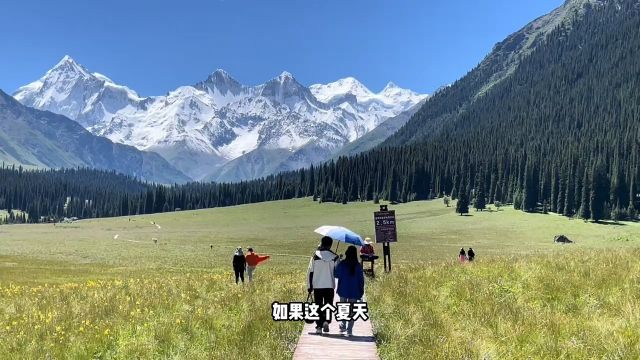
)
(353, 338)
(607, 222)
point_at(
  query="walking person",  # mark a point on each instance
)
(321, 280)
(471, 254)
(253, 260)
(350, 277)
(462, 256)
(239, 264)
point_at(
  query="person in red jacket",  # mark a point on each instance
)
(253, 260)
(367, 252)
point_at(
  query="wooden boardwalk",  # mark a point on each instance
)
(333, 345)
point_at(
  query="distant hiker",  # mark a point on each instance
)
(350, 283)
(253, 260)
(321, 280)
(239, 264)
(470, 254)
(462, 256)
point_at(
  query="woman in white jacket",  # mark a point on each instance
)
(321, 280)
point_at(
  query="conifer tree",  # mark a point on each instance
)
(462, 206)
(480, 201)
(585, 208)
(599, 192)
(569, 204)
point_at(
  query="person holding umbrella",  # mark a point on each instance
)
(350, 283)
(321, 281)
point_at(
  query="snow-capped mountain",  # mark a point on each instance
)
(220, 122)
(352, 96)
(71, 90)
(41, 139)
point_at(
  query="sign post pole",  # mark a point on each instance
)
(386, 252)
(385, 224)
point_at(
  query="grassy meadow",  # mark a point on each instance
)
(584, 305)
(104, 289)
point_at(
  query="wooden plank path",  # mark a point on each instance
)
(333, 345)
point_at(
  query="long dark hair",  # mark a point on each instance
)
(351, 258)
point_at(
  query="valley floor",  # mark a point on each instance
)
(106, 289)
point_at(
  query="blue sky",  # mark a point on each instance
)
(156, 46)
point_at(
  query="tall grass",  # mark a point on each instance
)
(190, 316)
(583, 305)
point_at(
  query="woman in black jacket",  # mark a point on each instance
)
(239, 264)
(471, 254)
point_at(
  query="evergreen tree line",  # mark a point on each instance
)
(560, 134)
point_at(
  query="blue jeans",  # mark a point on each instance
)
(348, 324)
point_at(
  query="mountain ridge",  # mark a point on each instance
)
(36, 138)
(201, 127)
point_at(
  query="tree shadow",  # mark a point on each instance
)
(609, 222)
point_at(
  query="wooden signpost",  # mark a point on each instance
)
(385, 224)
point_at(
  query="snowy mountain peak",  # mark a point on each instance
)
(339, 88)
(198, 128)
(390, 86)
(221, 86)
(69, 67)
(286, 90)
(397, 95)
(351, 95)
(285, 75)
(221, 76)
(71, 90)
(221, 72)
(66, 60)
